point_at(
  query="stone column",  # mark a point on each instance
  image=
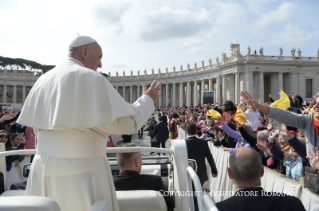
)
(160, 103)
(210, 84)
(302, 85)
(249, 82)
(188, 94)
(174, 95)
(181, 94)
(4, 94)
(195, 94)
(261, 87)
(138, 94)
(131, 94)
(202, 92)
(217, 94)
(124, 97)
(23, 93)
(293, 84)
(166, 95)
(224, 89)
(14, 93)
(280, 81)
(237, 89)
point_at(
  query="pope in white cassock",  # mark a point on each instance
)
(73, 109)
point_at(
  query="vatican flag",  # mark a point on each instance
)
(283, 102)
(240, 116)
(213, 113)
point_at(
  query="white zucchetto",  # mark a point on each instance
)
(81, 40)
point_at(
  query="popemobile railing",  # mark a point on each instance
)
(183, 173)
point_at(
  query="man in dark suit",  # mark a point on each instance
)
(130, 165)
(245, 170)
(198, 150)
(160, 133)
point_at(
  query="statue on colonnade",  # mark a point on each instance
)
(261, 51)
(181, 67)
(280, 52)
(299, 52)
(117, 74)
(217, 60)
(318, 52)
(224, 56)
(167, 70)
(138, 72)
(210, 61)
(174, 69)
(131, 73)
(123, 73)
(145, 73)
(110, 74)
(203, 64)
(195, 65)
(152, 71)
(249, 50)
(292, 52)
(188, 67)
(159, 71)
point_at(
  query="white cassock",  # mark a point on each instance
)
(73, 110)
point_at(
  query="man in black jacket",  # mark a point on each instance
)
(245, 170)
(160, 133)
(198, 150)
(130, 165)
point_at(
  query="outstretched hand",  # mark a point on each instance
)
(314, 157)
(285, 131)
(154, 91)
(248, 98)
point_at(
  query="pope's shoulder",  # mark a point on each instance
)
(71, 68)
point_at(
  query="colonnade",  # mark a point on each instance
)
(259, 84)
(14, 93)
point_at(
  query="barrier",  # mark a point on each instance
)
(222, 186)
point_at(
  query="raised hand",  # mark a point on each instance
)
(314, 157)
(154, 91)
(248, 98)
(285, 132)
(227, 117)
(263, 147)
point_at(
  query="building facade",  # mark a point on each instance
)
(259, 74)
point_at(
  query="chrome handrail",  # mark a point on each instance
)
(108, 150)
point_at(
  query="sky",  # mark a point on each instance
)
(145, 34)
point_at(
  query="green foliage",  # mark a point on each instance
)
(23, 64)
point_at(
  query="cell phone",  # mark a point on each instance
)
(275, 124)
(26, 170)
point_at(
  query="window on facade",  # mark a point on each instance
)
(308, 88)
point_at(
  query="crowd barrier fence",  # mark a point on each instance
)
(222, 187)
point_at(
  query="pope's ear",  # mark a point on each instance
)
(84, 53)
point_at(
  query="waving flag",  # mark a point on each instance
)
(283, 102)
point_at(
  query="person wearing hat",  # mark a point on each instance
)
(173, 127)
(73, 109)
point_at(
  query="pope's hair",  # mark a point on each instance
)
(73, 52)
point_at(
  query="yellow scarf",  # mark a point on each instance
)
(286, 147)
(316, 119)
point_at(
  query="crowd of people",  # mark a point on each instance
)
(281, 147)
(15, 136)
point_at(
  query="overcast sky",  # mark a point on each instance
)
(145, 34)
